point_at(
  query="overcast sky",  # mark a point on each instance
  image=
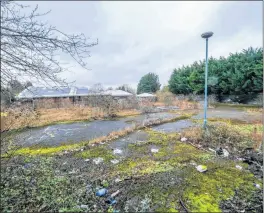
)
(136, 38)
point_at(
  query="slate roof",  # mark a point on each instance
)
(44, 92)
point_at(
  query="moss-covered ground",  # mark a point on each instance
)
(162, 181)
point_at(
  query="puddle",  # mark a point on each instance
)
(58, 134)
(174, 126)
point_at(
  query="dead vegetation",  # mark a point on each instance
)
(16, 118)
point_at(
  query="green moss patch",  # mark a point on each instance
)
(205, 191)
(95, 152)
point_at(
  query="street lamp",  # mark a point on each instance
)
(206, 35)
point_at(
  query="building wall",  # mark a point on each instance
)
(103, 101)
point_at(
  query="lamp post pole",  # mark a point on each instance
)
(206, 35)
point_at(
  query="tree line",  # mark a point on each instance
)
(239, 76)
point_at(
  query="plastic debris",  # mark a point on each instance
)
(240, 159)
(86, 160)
(201, 168)
(117, 180)
(221, 151)
(81, 150)
(117, 151)
(111, 201)
(154, 150)
(212, 150)
(98, 160)
(65, 152)
(115, 161)
(101, 192)
(84, 206)
(225, 153)
(115, 193)
(183, 139)
(239, 167)
(257, 186)
(73, 171)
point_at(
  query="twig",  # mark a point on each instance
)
(198, 147)
(182, 204)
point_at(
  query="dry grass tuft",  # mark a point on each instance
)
(25, 117)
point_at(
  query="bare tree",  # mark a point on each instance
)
(97, 88)
(29, 47)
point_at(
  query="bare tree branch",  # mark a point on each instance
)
(29, 47)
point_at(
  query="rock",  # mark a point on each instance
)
(117, 151)
(154, 150)
(98, 160)
(81, 150)
(65, 152)
(183, 139)
(115, 161)
(201, 168)
(239, 167)
(101, 192)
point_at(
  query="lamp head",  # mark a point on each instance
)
(207, 34)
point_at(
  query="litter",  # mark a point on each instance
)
(111, 201)
(257, 186)
(117, 180)
(115, 161)
(212, 150)
(86, 160)
(101, 192)
(154, 150)
(117, 151)
(201, 168)
(115, 193)
(239, 167)
(225, 152)
(84, 206)
(98, 160)
(183, 139)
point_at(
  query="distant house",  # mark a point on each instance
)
(44, 97)
(147, 96)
